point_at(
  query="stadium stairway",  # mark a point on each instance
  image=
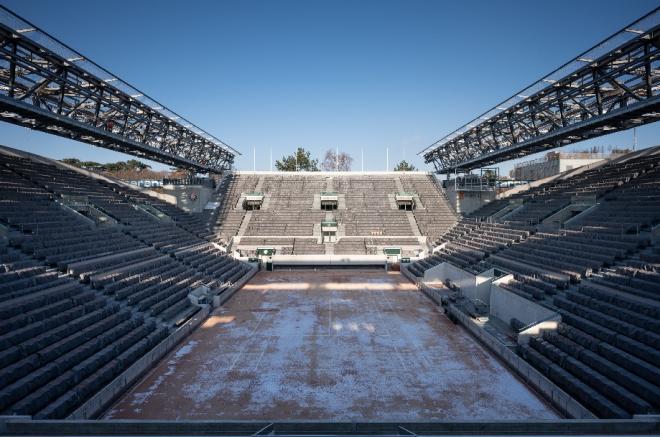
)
(365, 209)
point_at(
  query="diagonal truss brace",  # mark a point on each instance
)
(618, 90)
(47, 86)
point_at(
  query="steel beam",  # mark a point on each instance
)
(47, 86)
(613, 86)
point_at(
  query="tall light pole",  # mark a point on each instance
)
(254, 159)
(387, 159)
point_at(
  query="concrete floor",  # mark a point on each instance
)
(330, 345)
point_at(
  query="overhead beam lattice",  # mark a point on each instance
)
(611, 87)
(48, 86)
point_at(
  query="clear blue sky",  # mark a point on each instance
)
(354, 74)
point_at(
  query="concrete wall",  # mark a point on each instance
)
(556, 396)
(644, 425)
(537, 170)
(472, 286)
(330, 173)
(451, 196)
(556, 219)
(169, 198)
(537, 329)
(227, 294)
(543, 169)
(564, 403)
(104, 398)
(191, 198)
(328, 260)
(465, 202)
(432, 293)
(469, 201)
(570, 164)
(506, 305)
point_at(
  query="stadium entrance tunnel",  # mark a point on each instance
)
(253, 201)
(329, 231)
(329, 201)
(405, 201)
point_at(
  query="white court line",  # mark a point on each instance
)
(396, 349)
(411, 342)
(418, 351)
(379, 314)
(416, 348)
(330, 315)
(337, 369)
(256, 366)
(240, 354)
(398, 354)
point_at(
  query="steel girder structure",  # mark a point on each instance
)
(47, 86)
(613, 86)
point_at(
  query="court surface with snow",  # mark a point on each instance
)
(330, 345)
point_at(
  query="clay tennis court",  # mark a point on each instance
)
(330, 345)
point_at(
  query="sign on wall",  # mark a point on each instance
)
(146, 183)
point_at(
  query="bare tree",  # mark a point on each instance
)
(334, 162)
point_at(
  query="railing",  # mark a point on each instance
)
(150, 210)
(205, 182)
(529, 325)
(81, 206)
(100, 218)
(475, 183)
(588, 199)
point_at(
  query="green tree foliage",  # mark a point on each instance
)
(130, 165)
(82, 164)
(404, 166)
(72, 161)
(301, 160)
